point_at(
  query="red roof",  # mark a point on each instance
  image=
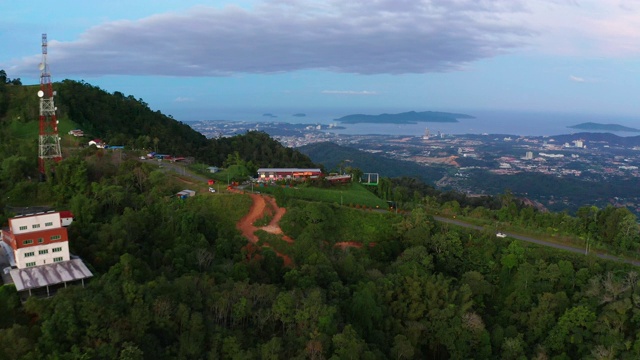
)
(66, 214)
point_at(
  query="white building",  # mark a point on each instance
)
(37, 249)
(37, 239)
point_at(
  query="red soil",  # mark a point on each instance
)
(265, 205)
(257, 211)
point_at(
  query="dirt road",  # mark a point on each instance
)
(259, 210)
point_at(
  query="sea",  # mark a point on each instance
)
(517, 123)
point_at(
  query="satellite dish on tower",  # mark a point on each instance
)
(41, 66)
(40, 93)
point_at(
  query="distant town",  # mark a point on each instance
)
(590, 157)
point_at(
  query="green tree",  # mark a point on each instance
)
(573, 331)
(348, 344)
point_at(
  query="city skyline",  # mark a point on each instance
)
(194, 60)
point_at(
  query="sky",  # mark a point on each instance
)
(204, 60)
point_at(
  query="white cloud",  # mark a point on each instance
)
(580, 79)
(355, 36)
(181, 99)
(362, 37)
(349, 92)
(576, 79)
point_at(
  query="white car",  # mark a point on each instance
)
(212, 190)
(501, 235)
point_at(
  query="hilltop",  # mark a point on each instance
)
(121, 119)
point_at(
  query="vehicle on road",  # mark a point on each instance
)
(501, 235)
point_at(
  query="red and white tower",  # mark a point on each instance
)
(49, 148)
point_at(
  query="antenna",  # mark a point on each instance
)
(49, 141)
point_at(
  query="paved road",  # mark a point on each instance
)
(538, 241)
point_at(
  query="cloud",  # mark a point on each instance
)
(576, 79)
(349, 92)
(586, 28)
(359, 36)
(580, 79)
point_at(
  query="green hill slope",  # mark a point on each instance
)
(332, 155)
(125, 120)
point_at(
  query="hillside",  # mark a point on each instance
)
(124, 120)
(332, 155)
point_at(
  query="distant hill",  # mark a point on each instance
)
(610, 139)
(603, 127)
(332, 155)
(410, 117)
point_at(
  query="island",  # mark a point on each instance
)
(603, 127)
(300, 115)
(411, 117)
(269, 115)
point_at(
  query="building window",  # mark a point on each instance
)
(56, 237)
(48, 224)
(57, 259)
(40, 240)
(23, 227)
(30, 264)
(42, 252)
(35, 226)
(29, 254)
(27, 242)
(58, 249)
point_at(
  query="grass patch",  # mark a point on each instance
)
(232, 206)
(31, 129)
(353, 195)
(274, 241)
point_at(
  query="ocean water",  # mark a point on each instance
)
(498, 122)
(484, 121)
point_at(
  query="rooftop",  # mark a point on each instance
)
(50, 274)
(285, 170)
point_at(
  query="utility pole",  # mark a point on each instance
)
(586, 246)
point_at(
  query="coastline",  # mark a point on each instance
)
(484, 121)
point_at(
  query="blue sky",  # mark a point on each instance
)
(199, 60)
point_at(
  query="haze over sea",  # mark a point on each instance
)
(485, 121)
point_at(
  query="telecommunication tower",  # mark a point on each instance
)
(49, 140)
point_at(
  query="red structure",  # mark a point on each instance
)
(49, 141)
(273, 174)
